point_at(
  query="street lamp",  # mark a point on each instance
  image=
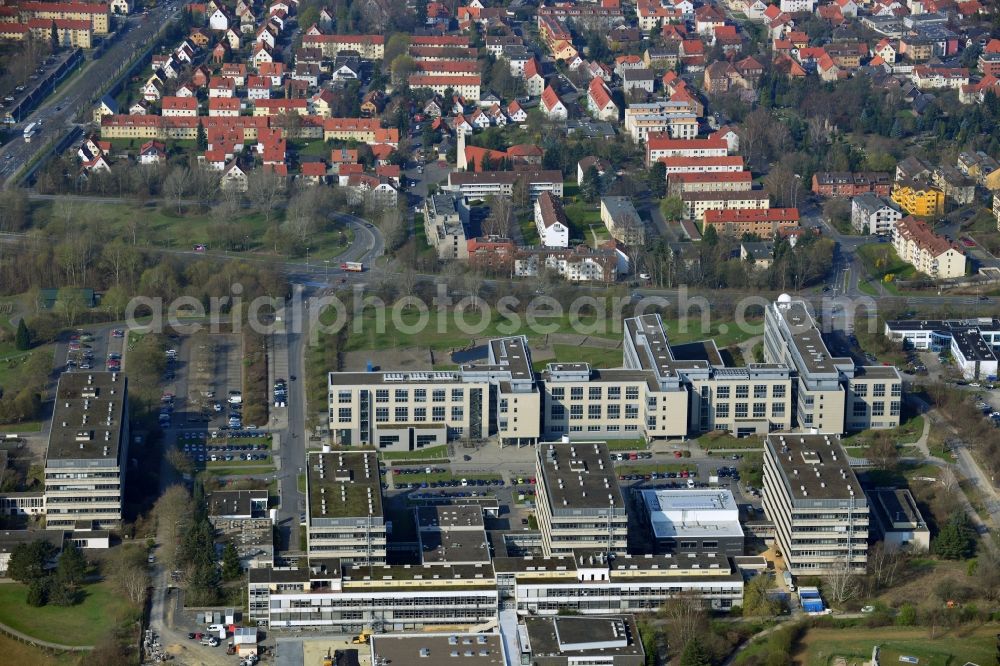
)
(307, 256)
(327, 262)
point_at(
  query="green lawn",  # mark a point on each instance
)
(232, 469)
(634, 444)
(719, 441)
(658, 468)
(907, 433)
(597, 357)
(315, 148)
(881, 262)
(83, 624)
(821, 646)
(164, 226)
(16, 652)
(529, 232)
(374, 337)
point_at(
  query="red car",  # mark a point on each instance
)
(968, 242)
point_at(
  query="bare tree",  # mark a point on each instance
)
(130, 574)
(685, 615)
(883, 563)
(841, 585)
(173, 511)
(265, 189)
(176, 185)
(753, 134)
(501, 218)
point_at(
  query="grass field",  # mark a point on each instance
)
(596, 357)
(718, 441)
(441, 476)
(163, 226)
(16, 652)
(228, 469)
(820, 647)
(907, 433)
(83, 624)
(371, 334)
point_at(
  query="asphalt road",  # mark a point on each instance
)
(58, 113)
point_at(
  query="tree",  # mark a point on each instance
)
(657, 179)
(28, 560)
(38, 592)
(672, 208)
(841, 584)
(231, 567)
(756, 601)
(881, 451)
(22, 339)
(695, 654)
(176, 185)
(265, 191)
(130, 574)
(590, 188)
(202, 137)
(54, 36)
(907, 615)
(956, 540)
(401, 68)
(685, 617)
(501, 218)
(72, 566)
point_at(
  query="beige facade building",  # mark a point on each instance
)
(819, 510)
(408, 411)
(831, 394)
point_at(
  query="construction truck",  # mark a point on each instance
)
(328, 659)
(362, 638)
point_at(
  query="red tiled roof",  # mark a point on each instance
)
(598, 91)
(752, 215)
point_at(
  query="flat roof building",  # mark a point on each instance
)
(567, 641)
(974, 343)
(580, 506)
(87, 451)
(818, 508)
(344, 506)
(831, 394)
(897, 520)
(452, 534)
(237, 504)
(694, 521)
(459, 649)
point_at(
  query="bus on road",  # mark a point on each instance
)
(29, 132)
(353, 266)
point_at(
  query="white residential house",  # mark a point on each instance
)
(552, 106)
(872, 214)
(218, 20)
(550, 220)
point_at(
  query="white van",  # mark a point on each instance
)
(215, 628)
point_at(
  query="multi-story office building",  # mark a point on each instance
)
(628, 584)
(580, 506)
(348, 598)
(444, 226)
(831, 395)
(344, 507)
(660, 392)
(407, 411)
(87, 451)
(819, 511)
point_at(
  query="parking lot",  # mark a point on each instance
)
(97, 349)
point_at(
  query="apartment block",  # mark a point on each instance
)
(344, 507)
(728, 181)
(622, 220)
(918, 198)
(974, 343)
(478, 185)
(830, 394)
(697, 204)
(847, 184)
(659, 145)
(872, 214)
(818, 508)
(673, 119)
(87, 453)
(580, 506)
(931, 254)
(444, 226)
